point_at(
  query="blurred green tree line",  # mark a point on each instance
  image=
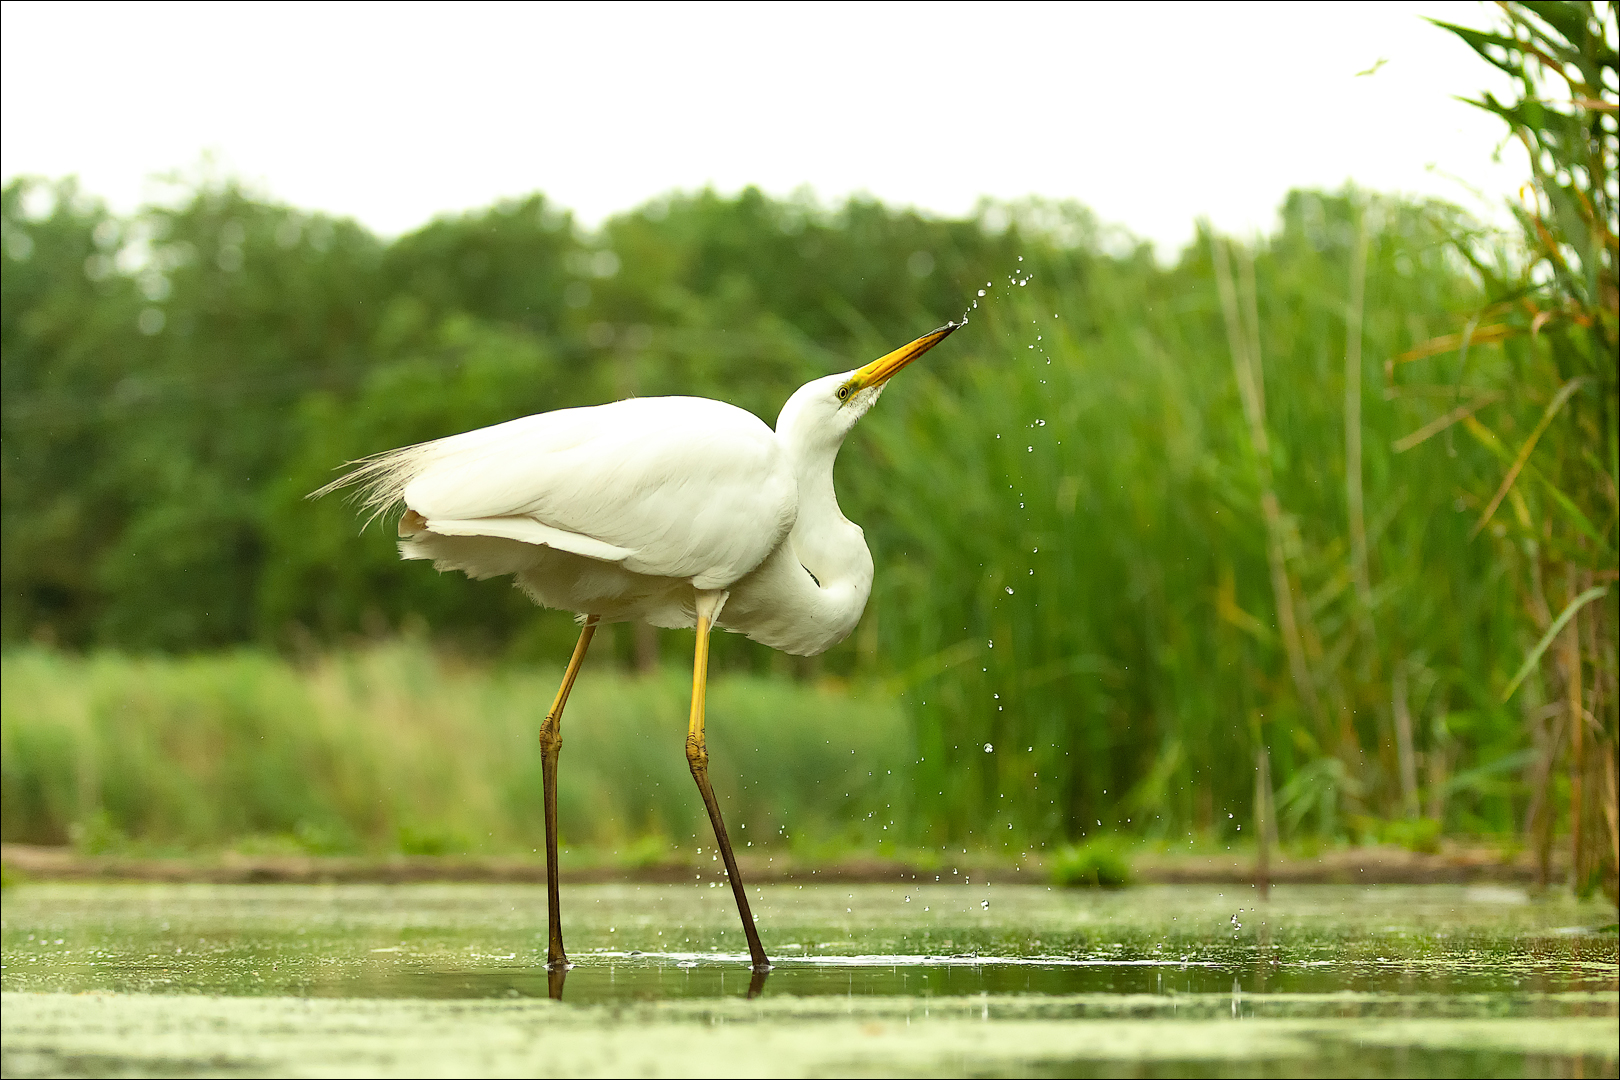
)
(176, 382)
(1139, 523)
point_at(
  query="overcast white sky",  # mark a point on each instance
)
(1152, 114)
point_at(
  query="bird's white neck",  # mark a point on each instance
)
(827, 544)
(823, 565)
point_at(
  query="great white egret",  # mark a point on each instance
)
(682, 511)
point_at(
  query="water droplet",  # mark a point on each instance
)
(1009, 588)
(908, 899)
(985, 903)
(981, 293)
(989, 748)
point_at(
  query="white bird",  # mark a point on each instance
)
(681, 511)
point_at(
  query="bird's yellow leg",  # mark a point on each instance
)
(550, 746)
(697, 756)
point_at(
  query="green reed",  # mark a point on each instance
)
(1074, 565)
(1550, 416)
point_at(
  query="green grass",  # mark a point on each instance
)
(395, 748)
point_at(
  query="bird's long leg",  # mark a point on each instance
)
(697, 756)
(550, 746)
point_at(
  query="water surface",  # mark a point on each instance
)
(875, 979)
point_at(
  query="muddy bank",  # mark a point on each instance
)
(1361, 865)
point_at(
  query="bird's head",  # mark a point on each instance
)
(823, 411)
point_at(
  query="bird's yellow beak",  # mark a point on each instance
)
(883, 368)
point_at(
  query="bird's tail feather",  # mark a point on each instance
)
(379, 480)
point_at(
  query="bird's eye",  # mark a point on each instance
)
(843, 392)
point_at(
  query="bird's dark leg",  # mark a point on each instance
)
(697, 756)
(550, 746)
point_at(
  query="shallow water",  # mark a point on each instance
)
(876, 979)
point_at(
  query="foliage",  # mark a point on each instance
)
(349, 753)
(1551, 416)
(1325, 493)
(1106, 643)
(1099, 863)
(1063, 506)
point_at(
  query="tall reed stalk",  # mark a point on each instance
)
(1243, 338)
(1355, 506)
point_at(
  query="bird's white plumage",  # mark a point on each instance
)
(657, 485)
(633, 510)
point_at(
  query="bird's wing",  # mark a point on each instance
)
(673, 487)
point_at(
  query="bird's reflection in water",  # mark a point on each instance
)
(557, 976)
